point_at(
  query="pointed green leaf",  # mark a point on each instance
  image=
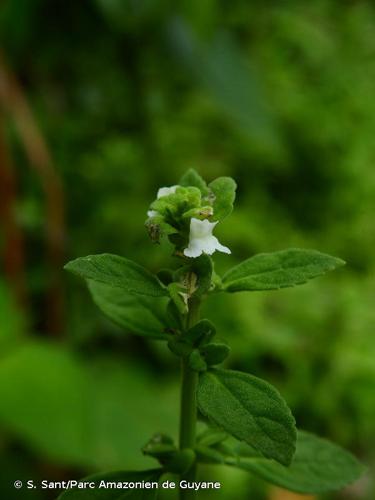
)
(137, 314)
(192, 178)
(318, 466)
(270, 271)
(249, 409)
(151, 477)
(118, 272)
(224, 193)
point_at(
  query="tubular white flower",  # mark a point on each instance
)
(201, 239)
(165, 191)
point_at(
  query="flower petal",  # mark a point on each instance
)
(222, 248)
(165, 191)
(201, 239)
(152, 213)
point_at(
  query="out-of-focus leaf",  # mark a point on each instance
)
(102, 493)
(118, 272)
(137, 314)
(125, 15)
(12, 320)
(221, 68)
(249, 409)
(96, 414)
(271, 271)
(15, 465)
(43, 393)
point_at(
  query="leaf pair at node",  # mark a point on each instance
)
(196, 344)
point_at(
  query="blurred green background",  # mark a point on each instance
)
(104, 101)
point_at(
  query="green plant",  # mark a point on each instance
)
(248, 424)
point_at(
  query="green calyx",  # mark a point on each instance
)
(190, 282)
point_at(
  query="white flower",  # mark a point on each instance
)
(152, 213)
(201, 239)
(165, 191)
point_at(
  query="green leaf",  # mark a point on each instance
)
(45, 403)
(149, 476)
(201, 333)
(215, 353)
(224, 191)
(159, 446)
(271, 271)
(224, 71)
(137, 314)
(118, 272)
(73, 412)
(318, 466)
(208, 455)
(211, 436)
(197, 362)
(198, 335)
(174, 318)
(13, 324)
(249, 409)
(192, 178)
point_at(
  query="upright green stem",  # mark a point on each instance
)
(188, 411)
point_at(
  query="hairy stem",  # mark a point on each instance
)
(188, 411)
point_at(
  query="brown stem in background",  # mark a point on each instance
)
(13, 242)
(15, 103)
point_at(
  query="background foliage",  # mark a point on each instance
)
(126, 96)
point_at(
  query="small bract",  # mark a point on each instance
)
(163, 191)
